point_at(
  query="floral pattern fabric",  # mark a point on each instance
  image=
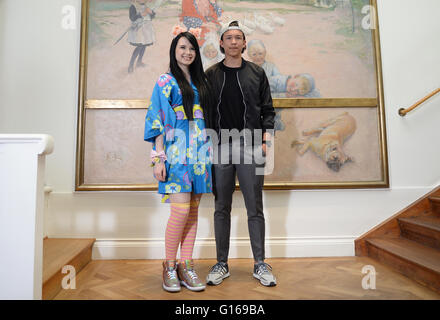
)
(188, 148)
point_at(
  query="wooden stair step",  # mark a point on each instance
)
(410, 258)
(435, 204)
(59, 252)
(423, 229)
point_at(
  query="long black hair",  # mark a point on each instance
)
(198, 77)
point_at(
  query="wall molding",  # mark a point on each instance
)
(276, 247)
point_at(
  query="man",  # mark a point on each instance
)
(243, 103)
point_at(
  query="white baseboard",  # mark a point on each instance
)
(280, 247)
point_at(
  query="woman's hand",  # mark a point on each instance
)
(160, 171)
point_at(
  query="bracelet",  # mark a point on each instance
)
(154, 161)
(157, 157)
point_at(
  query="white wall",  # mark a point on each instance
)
(39, 74)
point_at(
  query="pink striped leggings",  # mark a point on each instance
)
(181, 229)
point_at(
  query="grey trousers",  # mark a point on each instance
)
(251, 186)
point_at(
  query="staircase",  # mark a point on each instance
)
(58, 253)
(409, 241)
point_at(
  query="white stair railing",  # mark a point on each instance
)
(22, 167)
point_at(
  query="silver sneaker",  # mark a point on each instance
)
(218, 272)
(170, 280)
(188, 277)
(263, 272)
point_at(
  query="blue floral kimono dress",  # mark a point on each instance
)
(186, 144)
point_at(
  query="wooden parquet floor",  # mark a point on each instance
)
(300, 278)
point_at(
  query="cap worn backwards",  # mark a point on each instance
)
(232, 26)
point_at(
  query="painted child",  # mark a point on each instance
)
(141, 33)
(301, 85)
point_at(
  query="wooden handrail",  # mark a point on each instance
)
(403, 111)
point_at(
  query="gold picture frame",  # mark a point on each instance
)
(375, 105)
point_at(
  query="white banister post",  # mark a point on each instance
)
(22, 166)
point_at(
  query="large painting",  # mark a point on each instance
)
(321, 57)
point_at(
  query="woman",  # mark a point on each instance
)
(175, 124)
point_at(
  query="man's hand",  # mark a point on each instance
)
(266, 137)
(160, 171)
